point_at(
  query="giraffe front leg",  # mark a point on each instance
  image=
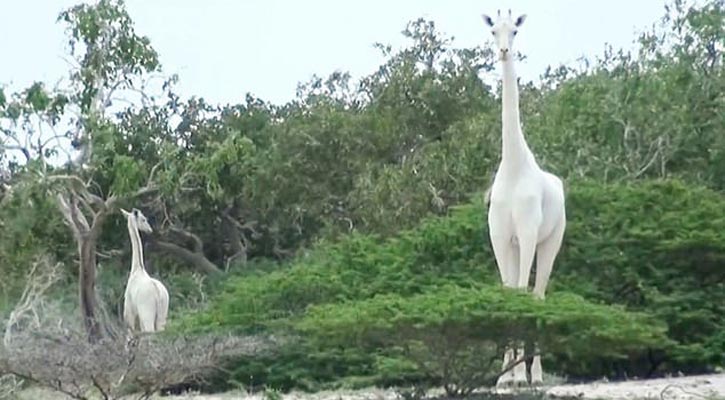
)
(527, 217)
(537, 373)
(129, 316)
(507, 378)
(546, 253)
(520, 376)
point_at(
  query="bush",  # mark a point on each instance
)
(114, 368)
(653, 247)
(440, 251)
(657, 247)
(456, 337)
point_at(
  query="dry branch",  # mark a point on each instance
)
(68, 363)
(42, 275)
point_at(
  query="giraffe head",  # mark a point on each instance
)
(138, 219)
(504, 29)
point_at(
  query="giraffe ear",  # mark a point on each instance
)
(487, 20)
(520, 20)
(125, 213)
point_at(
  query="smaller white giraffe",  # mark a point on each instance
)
(146, 300)
(526, 215)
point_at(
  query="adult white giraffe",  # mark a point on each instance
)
(526, 213)
(146, 300)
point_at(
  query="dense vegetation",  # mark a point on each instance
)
(349, 220)
(665, 262)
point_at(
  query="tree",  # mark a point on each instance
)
(110, 58)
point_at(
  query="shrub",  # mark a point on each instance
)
(652, 247)
(456, 336)
(657, 247)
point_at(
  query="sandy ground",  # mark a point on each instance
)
(680, 388)
(704, 387)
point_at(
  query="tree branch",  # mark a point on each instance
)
(197, 243)
(238, 240)
(22, 149)
(74, 218)
(196, 259)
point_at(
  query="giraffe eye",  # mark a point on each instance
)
(515, 32)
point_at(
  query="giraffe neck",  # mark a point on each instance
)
(136, 248)
(515, 151)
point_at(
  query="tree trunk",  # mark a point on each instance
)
(237, 244)
(87, 287)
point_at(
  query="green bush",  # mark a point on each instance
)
(653, 247)
(360, 266)
(492, 313)
(456, 336)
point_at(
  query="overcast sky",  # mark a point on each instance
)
(222, 49)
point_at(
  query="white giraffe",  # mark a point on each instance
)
(526, 213)
(146, 300)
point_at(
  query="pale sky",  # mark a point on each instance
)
(223, 49)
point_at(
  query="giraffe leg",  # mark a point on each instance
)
(545, 254)
(503, 251)
(527, 217)
(128, 315)
(507, 378)
(527, 250)
(520, 377)
(509, 275)
(537, 373)
(147, 318)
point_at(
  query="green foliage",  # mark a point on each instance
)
(490, 313)
(441, 250)
(627, 244)
(456, 336)
(655, 246)
(359, 169)
(102, 36)
(24, 237)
